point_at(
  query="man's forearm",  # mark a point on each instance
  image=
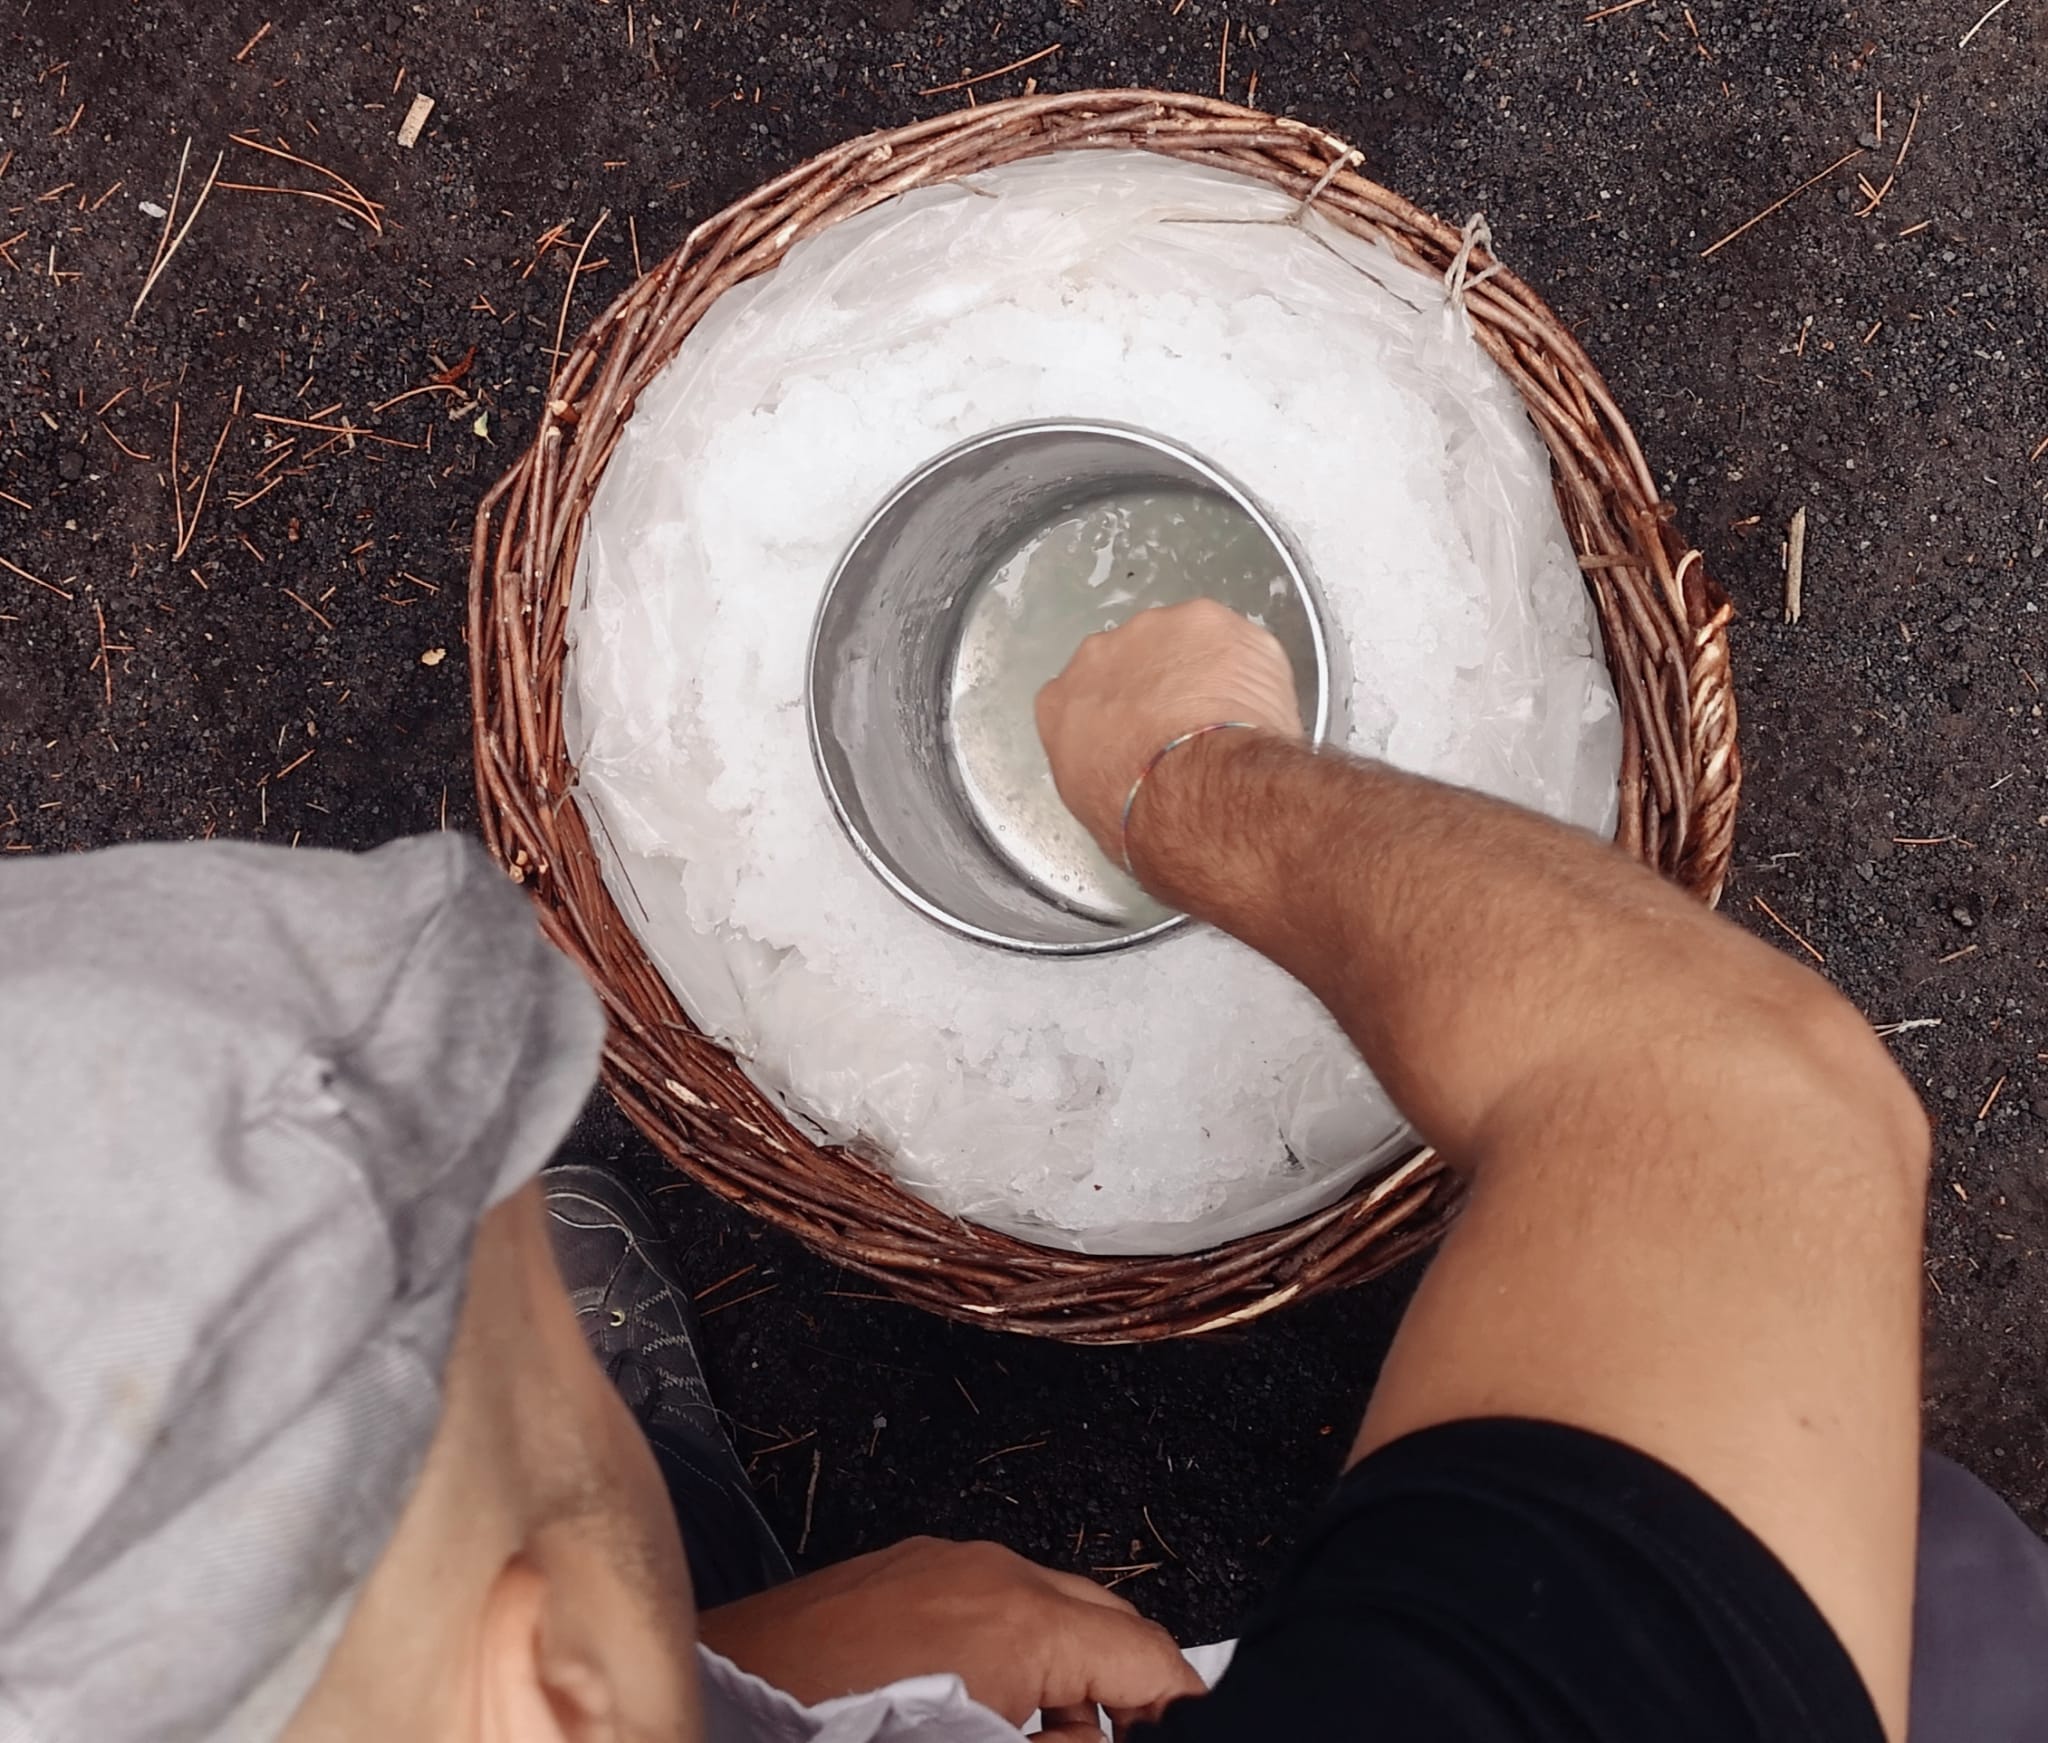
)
(1469, 948)
(1697, 1179)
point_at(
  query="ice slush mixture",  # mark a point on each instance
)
(1183, 1092)
(1087, 572)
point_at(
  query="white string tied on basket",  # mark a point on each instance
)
(1459, 278)
(1349, 158)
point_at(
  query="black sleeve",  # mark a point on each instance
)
(1520, 1582)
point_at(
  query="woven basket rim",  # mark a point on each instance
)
(1664, 628)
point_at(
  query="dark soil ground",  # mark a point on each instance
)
(298, 673)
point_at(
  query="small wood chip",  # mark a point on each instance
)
(415, 120)
(811, 1498)
(1795, 563)
(433, 656)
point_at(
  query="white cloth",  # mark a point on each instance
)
(741, 1708)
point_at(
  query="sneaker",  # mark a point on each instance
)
(636, 1316)
(634, 1310)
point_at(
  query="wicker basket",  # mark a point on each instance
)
(1664, 623)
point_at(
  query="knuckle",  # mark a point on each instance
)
(1093, 649)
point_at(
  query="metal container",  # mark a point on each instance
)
(898, 750)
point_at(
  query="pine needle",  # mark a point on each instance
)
(163, 258)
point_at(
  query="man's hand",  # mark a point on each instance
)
(1023, 1638)
(1136, 688)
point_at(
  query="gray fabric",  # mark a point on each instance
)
(252, 1105)
(1980, 1616)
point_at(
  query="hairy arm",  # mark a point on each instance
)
(1695, 1177)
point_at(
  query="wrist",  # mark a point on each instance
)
(1177, 742)
(1199, 833)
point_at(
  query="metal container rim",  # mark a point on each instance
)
(1299, 576)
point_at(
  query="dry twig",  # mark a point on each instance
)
(177, 488)
(811, 1498)
(249, 46)
(163, 253)
(1156, 1537)
(568, 297)
(1912, 126)
(364, 208)
(348, 206)
(1979, 25)
(1126, 1571)
(414, 393)
(548, 238)
(730, 1276)
(1780, 204)
(186, 529)
(1021, 1446)
(103, 661)
(312, 611)
(737, 1300)
(239, 503)
(337, 432)
(123, 446)
(1875, 196)
(997, 73)
(17, 569)
(1785, 927)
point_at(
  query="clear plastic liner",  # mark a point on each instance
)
(1175, 1096)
